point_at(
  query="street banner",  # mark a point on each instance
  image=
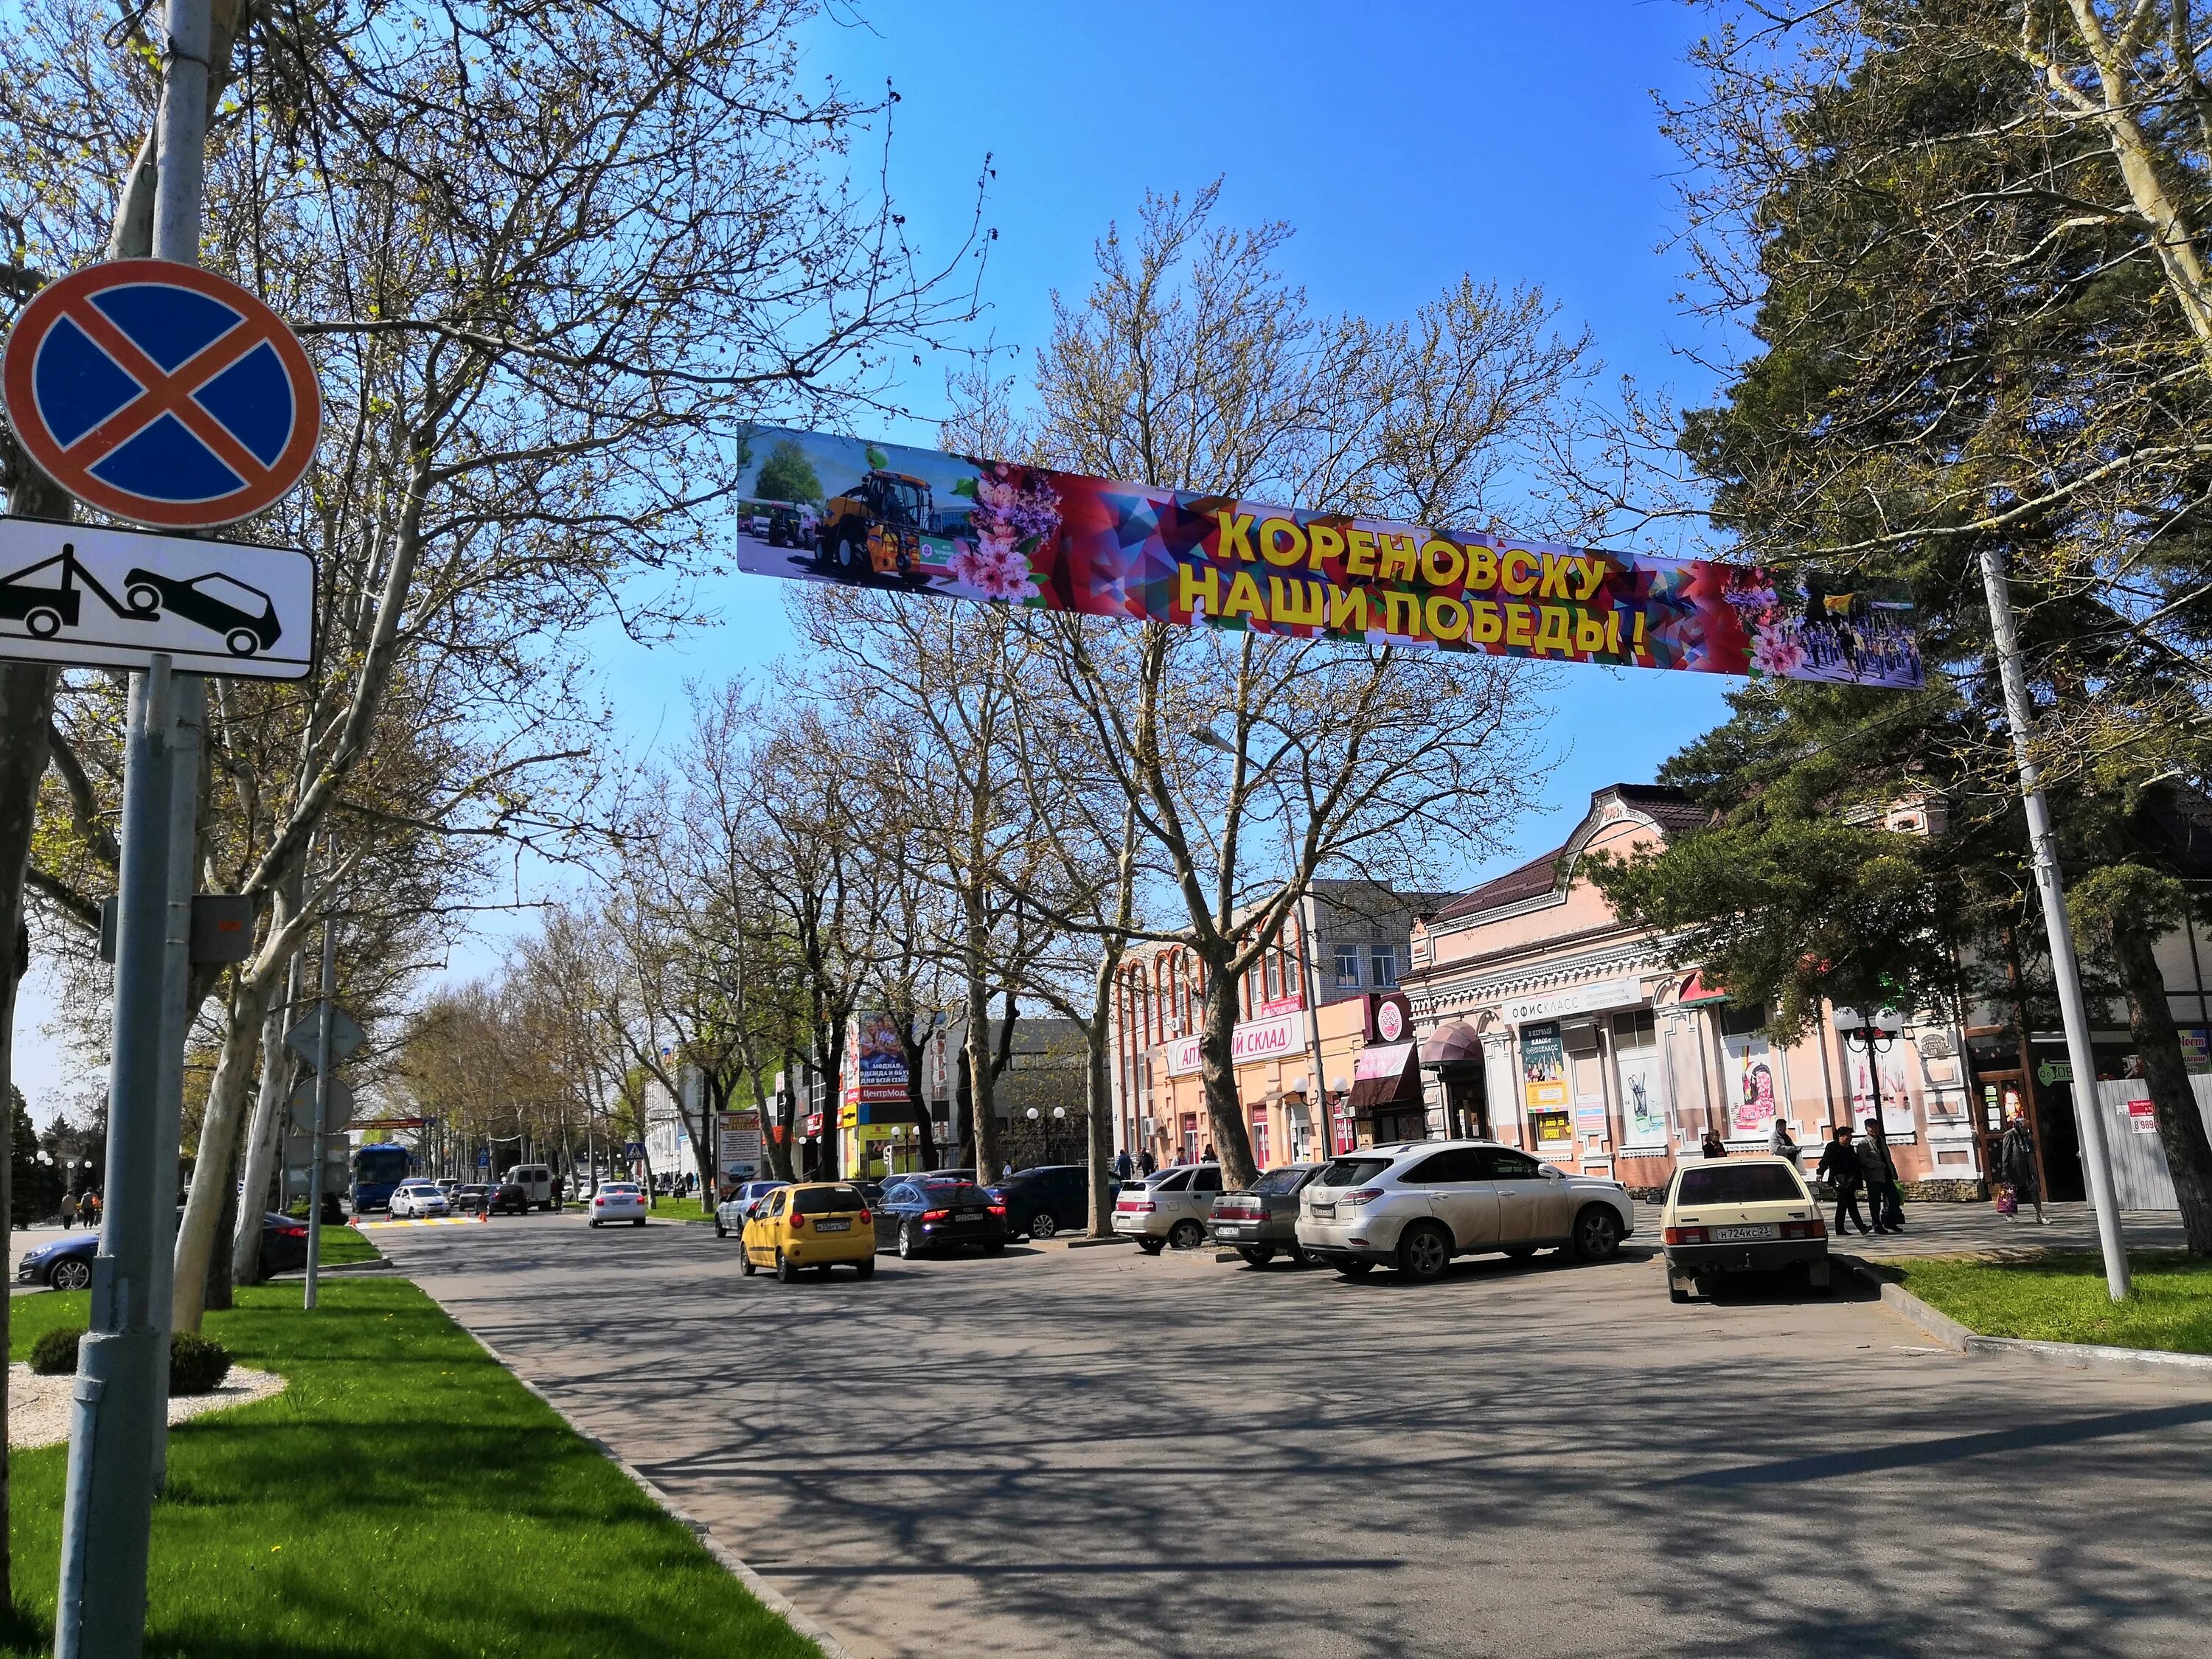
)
(879, 1060)
(826, 508)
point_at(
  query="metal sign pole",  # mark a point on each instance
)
(327, 1018)
(2065, 970)
(121, 1386)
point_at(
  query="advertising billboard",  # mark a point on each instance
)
(827, 508)
(880, 1059)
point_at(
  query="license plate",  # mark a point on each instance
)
(1328, 1210)
(833, 1226)
(1228, 1232)
(1740, 1234)
(971, 1215)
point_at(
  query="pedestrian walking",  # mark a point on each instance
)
(1879, 1170)
(1208, 1156)
(1712, 1146)
(2016, 1165)
(1840, 1168)
(1779, 1143)
(1121, 1164)
(69, 1210)
(1146, 1163)
(91, 1208)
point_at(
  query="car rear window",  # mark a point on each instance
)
(1276, 1183)
(826, 1201)
(1350, 1171)
(1738, 1184)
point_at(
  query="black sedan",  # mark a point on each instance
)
(509, 1197)
(924, 1214)
(66, 1263)
(1047, 1201)
(1263, 1219)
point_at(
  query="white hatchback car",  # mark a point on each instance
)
(413, 1200)
(1416, 1205)
(618, 1200)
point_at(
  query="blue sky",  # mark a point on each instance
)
(1407, 143)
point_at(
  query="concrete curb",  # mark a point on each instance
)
(762, 1591)
(1086, 1243)
(2078, 1356)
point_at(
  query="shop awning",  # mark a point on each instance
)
(1384, 1076)
(1455, 1042)
(1694, 989)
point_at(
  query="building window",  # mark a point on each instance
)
(1383, 959)
(1348, 966)
(1260, 1136)
(1274, 976)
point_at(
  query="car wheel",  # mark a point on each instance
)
(745, 1262)
(1152, 1246)
(595, 1220)
(1423, 1253)
(1676, 1292)
(73, 1274)
(640, 1221)
(865, 1266)
(721, 1231)
(1597, 1234)
(1257, 1255)
(1355, 1268)
(1044, 1224)
(1186, 1234)
(785, 1273)
(909, 1242)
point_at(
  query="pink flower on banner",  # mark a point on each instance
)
(994, 568)
(1778, 651)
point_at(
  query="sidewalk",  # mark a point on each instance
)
(1978, 1230)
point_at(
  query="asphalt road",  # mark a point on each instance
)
(1091, 1453)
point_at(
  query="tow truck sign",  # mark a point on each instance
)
(95, 596)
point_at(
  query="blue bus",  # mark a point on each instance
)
(376, 1171)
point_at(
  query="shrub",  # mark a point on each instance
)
(196, 1364)
(54, 1354)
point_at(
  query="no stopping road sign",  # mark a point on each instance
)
(161, 393)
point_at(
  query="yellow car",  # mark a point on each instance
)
(819, 1223)
(1731, 1215)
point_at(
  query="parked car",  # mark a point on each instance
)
(733, 1212)
(509, 1198)
(472, 1199)
(922, 1213)
(65, 1264)
(536, 1180)
(1740, 1215)
(1169, 1207)
(616, 1201)
(815, 1224)
(450, 1187)
(1417, 1205)
(1261, 1221)
(1042, 1201)
(411, 1200)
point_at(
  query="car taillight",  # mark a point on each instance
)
(1683, 1235)
(799, 1221)
(866, 1217)
(935, 1215)
(599, 1200)
(292, 1232)
(1815, 1228)
(998, 1209)
(1364, 1195)
(1136, 1206)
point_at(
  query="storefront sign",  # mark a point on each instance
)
(737, 1142)
(2142, 1116)
(1578, 1000)
(879, 1059)
(1389, 1017)
(1552, 1127)
(2195, 1052)
(1278, 1038)
(1543, 1068)
(887, 515)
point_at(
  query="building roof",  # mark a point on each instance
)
(1671, 809)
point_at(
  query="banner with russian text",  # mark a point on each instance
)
(827, 508)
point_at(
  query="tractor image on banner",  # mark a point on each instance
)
(1062, 541)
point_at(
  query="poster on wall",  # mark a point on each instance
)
(1895, 1098)
(818, 508)
(1543, 1068)
(1642, 1109)
(881, 1059)
(1755, 1087)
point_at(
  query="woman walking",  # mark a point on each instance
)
(2016, 1166)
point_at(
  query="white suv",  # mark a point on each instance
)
(1416, 1206)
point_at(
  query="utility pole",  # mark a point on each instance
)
(327, 1018)
(2065, 969)
(107, 1511)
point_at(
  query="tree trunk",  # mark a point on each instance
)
(2180, 1124)
(982, 1093)
(212, 1192)
(26, 700)
(263, 1136)
(924, 1130)
(1224, 1112)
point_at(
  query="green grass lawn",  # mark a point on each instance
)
(404, 1495)
(342, 1246)
(2062, 1298)
(676, 1209)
